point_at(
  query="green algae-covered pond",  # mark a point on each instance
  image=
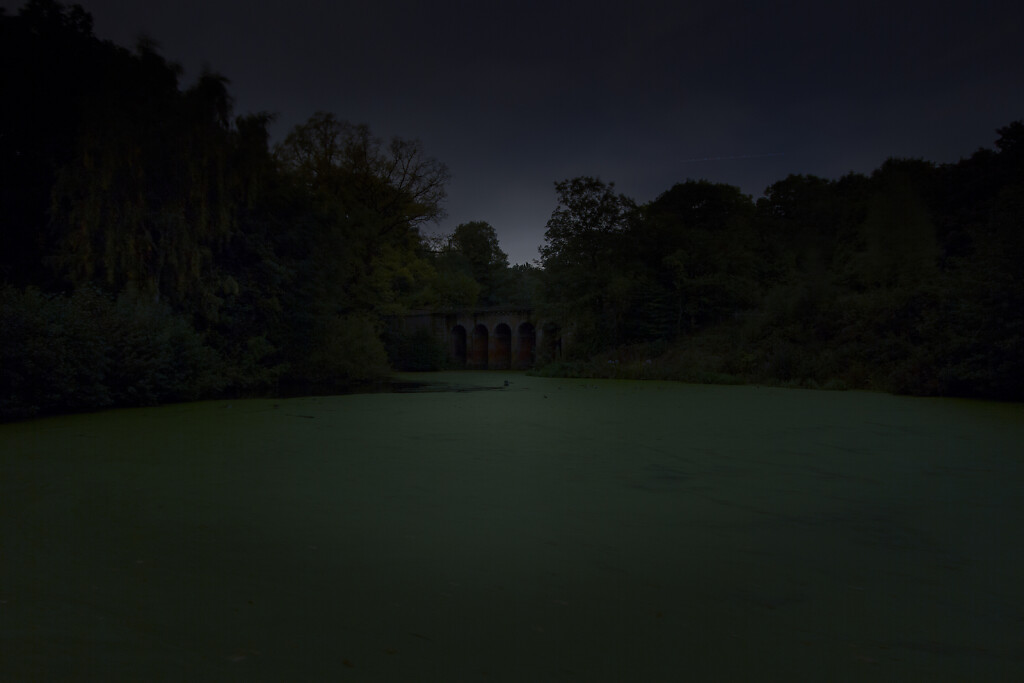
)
(550, 530)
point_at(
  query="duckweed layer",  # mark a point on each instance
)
(550, 530)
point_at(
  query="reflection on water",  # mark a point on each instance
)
(391, 386)
(406, 387)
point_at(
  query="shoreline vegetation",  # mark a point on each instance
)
(730, 354)
(158, 248)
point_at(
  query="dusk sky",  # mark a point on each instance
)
(515, 96)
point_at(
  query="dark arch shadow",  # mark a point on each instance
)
(478, 353)
(502, 351)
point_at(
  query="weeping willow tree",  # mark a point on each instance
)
(148, 196)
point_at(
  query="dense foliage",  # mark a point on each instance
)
(156, 247)
(87, 351)
(261, 268)
(908, 280)
(276, 268)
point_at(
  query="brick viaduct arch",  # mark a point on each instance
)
(489, 339)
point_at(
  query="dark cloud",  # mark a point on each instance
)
(516, 96)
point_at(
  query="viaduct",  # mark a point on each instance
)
(499, 338)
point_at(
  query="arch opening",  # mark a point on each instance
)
(527, 355)
(478, 356)
(502, 351)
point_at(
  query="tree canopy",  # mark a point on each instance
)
(906, 280)
(145, 215)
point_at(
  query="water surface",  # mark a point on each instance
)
(548, 530)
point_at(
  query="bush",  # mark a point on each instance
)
(251, 366)
(346, 351)
(86, 352)
(419, 351)
(42, 366)
(159, 357)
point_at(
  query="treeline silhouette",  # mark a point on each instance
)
(201, 260)
(908, 280)
(156, 247)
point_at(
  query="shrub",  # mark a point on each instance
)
(53, 355)
(159, 357)
(346, 351)
(251, 365)
(418, 351)
(86, 352)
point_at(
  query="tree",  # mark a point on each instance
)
(369, 201)
(983, 204)
(583, 255)
(696, 241)
(899, 235)
(525, 282)
(477, 243)
(583, 228)
(58, 64)
(799, 218)
(402, 186)
(149, 195)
